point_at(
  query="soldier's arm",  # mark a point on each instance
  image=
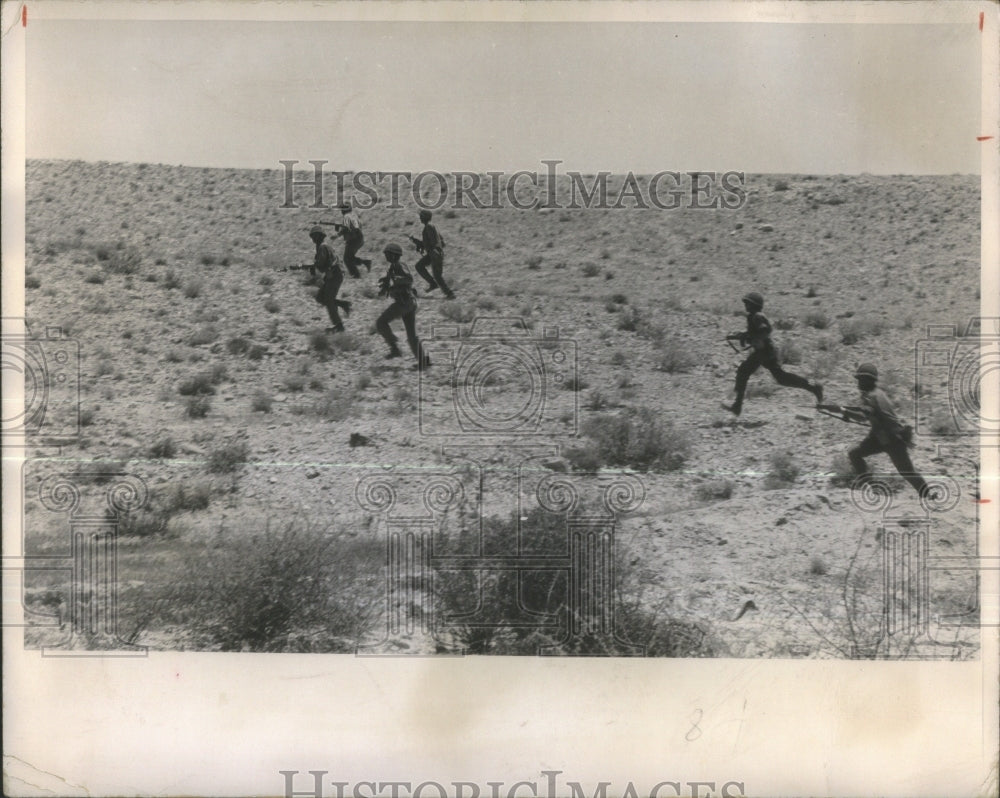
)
(855, 413)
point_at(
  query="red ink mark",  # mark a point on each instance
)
(981, 15)
(982, 501)
(24, 16)
(983, 138)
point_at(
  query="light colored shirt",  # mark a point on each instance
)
(886, 426)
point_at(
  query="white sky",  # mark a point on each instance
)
(760, 97)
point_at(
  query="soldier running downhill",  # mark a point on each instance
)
(328, 265)
(431, 244)
(888, 434)
(398, 285)
(758, 337)
(354, 239)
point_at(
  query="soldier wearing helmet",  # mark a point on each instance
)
(328, 265)
(432, 247)
(758, 338)
(888, 434)
(354, 239)
(397, 284)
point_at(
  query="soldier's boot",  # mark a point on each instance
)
(368, 264)
(393, 352)
(735, 408)
(817, 391)
(345, 306)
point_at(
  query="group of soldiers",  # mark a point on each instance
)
(397, 283)
(887, 434)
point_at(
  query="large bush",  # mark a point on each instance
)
(635, 438)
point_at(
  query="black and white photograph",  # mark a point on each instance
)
(456, 346)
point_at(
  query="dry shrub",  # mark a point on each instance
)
(297, 589)
(784, 471)
(674, 356)
(508, 603)
(715, 490)
(197, 406)
(229, 457)
(635, 438)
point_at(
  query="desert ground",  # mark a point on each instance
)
(206, 373)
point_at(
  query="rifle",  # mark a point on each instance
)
(852, 414)
(737, 336)
(337, 226)
(295, 267)
(418, 243)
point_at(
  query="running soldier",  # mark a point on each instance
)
(354, 239)
(888, 434)
(431, 246)
(758, 337)
(397, 284)
(328, 265)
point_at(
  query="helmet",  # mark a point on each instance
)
(425, 216)
(345, 207)
(754, 299)
(393, 249)
(866, 370)
(316, 229)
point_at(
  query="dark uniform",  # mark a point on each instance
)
(758, 337)
(328, 265)
(888, 434)
(433, 249)
(397, 284)
(354, 239)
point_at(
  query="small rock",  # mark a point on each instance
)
(738, 225)
(357, 439)
(781, 521)
(558, 464)
(312, 474)
(766, 228)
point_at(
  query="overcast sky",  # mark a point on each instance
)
(760, 97)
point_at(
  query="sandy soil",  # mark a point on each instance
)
(888, 254)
